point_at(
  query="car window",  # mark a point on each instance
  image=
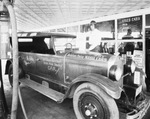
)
(25, 44)
(47, 41)
(25, 40)
(35, 45)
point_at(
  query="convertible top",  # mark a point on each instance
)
(43, 34)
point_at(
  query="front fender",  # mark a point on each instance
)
(111, 88)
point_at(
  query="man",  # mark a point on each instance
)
(128, 35)
(94, 38)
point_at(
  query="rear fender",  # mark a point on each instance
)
(111, 88)
(8, 63)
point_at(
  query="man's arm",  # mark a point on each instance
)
(92, 46)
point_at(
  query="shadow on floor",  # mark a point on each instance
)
(39, 106)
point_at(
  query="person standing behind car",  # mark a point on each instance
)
(94, 38)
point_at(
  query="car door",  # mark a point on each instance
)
(49, 68)
(28, 62)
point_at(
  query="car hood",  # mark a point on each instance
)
(98, 58)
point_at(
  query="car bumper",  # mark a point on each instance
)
(135, 114)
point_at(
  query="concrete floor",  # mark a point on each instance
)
(39, 106)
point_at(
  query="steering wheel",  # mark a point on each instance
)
(68, 46)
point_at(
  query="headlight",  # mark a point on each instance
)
(130, 66)
(115, 72)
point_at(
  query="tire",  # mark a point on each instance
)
(10, 74)
(91, 102)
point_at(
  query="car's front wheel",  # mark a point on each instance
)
(91, 102)
(10, 74)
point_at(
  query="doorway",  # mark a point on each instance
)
(147, 49)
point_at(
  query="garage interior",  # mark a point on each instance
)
(34, 15)
(43, 15)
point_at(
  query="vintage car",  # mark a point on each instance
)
(102, 85)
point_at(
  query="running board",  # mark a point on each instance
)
(54, 95)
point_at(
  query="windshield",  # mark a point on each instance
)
(63, 43)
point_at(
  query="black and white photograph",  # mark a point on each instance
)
(74, 59)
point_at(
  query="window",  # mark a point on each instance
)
(107, 28)
(60, 43)
(148, 20)
(130, 28)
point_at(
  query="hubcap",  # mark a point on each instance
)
(90, 110)
(87, 112)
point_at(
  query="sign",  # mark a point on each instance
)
(133, 23)
(138, 58)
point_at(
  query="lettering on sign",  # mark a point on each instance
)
(30, 58)
(53, 66)
(131, 19)
(49, 60)
(97, 58)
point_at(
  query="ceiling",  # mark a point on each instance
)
(37, 14)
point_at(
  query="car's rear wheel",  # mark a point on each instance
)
(10, 74)
(91, 102)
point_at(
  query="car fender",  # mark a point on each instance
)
(8, 63)
(111, 88)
